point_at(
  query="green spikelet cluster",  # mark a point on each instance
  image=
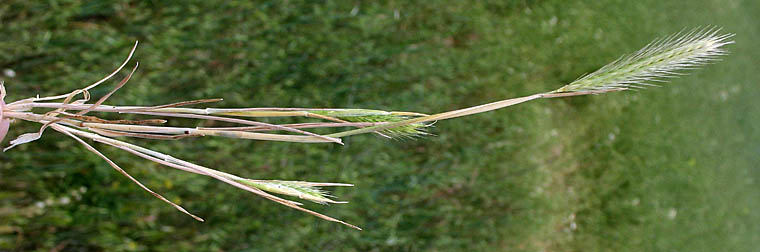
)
(661, 59)
(378, 116)
(302, 190)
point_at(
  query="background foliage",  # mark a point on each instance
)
(666, 169)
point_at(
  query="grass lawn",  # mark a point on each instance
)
(663, 169)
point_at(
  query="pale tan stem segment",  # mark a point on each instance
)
(441, 116)
(299, 126)
(170, 130)
(467, 111)
(224, 177)
(172, 112)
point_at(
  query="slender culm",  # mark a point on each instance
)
(660, 59)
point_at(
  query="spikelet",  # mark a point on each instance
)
(661, 59)
(301, 189)
(406, 131)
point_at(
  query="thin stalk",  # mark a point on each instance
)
(169, 130)
(120, 170)
(657, 61)
(298, 126)
(224, 177)
(440, 116)
(167, 112)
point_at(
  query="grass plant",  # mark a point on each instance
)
(661, 59)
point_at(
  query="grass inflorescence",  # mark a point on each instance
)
(301, 189)
(660, 59)
(378, 117)
(664, 58)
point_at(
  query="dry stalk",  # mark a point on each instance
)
(660, 59)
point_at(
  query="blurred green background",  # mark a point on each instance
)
(664, 169)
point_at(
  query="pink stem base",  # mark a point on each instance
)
(4, 123)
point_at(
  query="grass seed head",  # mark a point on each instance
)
(299, 189)
(405, 131)
(661, 59)
(378, 116)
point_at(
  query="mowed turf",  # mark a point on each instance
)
(663, 169)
